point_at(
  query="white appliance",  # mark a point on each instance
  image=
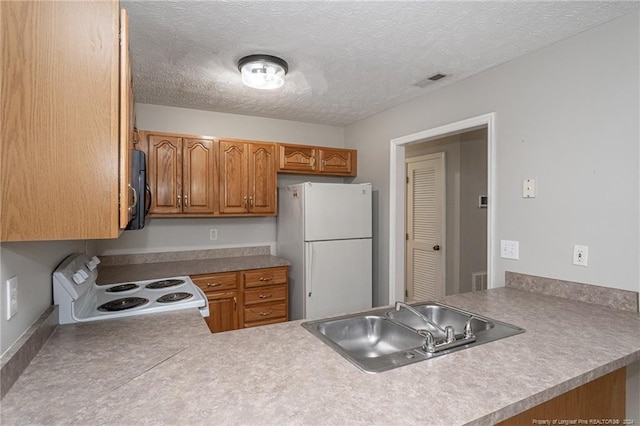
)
(80, 299)
(324, 230)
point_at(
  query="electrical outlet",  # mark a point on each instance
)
(580, 255)
(213, 234)
(509, 249)
(11, 296)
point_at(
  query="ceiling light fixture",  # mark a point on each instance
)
(262, 71)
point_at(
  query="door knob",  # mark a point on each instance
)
(436, 248)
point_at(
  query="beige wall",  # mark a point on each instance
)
(566, 115)
(473, 220)
(33, 264)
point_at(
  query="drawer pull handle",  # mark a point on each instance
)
(264, 314)
(265, 296)
(266, 278)
(235, 303)
(214, 284)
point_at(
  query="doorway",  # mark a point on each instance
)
(397, 195)
(461, 241)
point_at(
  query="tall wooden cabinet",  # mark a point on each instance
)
(181, 174)
(60, 121)
(247, 178)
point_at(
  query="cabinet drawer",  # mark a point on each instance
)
(265, 312)
(265, 322)
(264, 277)
(216, 282)
(265, 295)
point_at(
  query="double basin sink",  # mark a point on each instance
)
(384, 339)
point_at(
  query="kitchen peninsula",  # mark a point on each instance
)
(168, 369)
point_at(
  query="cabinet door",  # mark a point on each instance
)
(294, 158)
(340, 161)
(127, 198)
(262, 179)
(198, 170)
(165, 173)
(59, 109)
(223, 311)
(233, 177)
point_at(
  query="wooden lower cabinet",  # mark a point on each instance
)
(597, 402)
(266, 298)
(247, 298)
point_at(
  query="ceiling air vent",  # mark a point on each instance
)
(429, 80)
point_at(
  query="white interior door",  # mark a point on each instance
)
(425, 255)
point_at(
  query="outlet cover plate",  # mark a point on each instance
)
(11, 296)
(509, 249)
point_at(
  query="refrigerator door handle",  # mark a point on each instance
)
(309, 270)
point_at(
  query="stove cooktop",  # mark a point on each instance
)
(80, 299)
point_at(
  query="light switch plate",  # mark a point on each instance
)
(509, 249)
(11, 296)
(580, 255)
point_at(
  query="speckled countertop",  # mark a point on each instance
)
(147, 271)
(166, 369)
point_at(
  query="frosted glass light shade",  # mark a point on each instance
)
(262, 71)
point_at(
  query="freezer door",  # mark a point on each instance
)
(337, 211)
(338, 277)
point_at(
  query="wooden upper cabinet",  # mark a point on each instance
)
(297, 158)
(337, 161)
(127, 125)
(198, 163)
(164, 162)
(233, 192)
(247, 178)
(59, 120)
(304, 159)
(181, 174)
(262, 179)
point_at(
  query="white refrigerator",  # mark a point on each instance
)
(324, 230)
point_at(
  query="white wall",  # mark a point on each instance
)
(566, 115)
(33, 264)
(176, 234)
(473, 220)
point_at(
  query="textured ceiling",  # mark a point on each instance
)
(347, 60)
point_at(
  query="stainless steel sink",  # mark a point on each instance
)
(383, 339)
(441, 315)
(368, 336)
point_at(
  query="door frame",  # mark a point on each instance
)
(441, 158)
(397, 202)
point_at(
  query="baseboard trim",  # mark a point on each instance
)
(19, 355)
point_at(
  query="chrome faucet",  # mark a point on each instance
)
(400, 305)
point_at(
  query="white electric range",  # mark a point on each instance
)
(80, 299)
